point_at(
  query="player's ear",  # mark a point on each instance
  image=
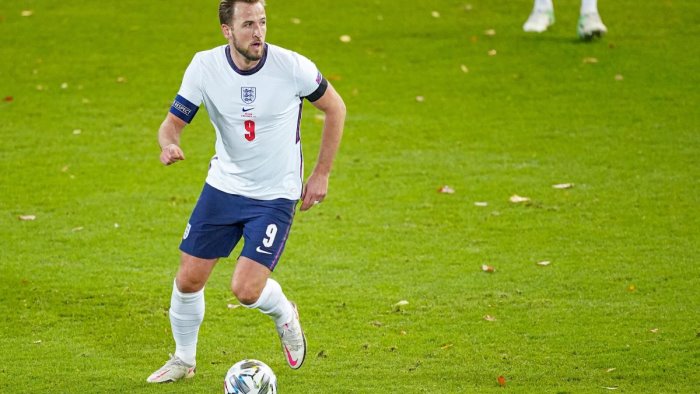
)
(226, 30)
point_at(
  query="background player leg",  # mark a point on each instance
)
(541, 17)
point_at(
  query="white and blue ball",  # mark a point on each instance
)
(250, 377)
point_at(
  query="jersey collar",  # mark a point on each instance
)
(253, 70)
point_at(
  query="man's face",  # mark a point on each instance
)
(247, 31)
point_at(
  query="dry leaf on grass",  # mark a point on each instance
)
(481, 204)
(435, 14)
(8, 99)
(233, 306)
(619, 77)
(345, 38)
(544, 263)
(490, 32)
(27, 217)
(501, 381)
(590, 60)
(464, 68)
(610, 370)
(446, 190)
(296, 21)
(489, 318)
(27, 13)
(420, 99)
(487, 268)
(654, 330)
(492, 52)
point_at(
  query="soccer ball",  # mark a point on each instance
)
(250, 377)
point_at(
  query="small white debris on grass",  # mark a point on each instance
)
(27, 217)
(345, 38)
(563, 186)
(464, 68)
(481, 204)
(518, 199)
(544, 263)
(435, 14)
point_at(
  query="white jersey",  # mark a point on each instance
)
(256, 115)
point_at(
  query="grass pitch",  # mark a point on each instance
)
(443, 93)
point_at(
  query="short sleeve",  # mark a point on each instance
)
(310, 82)
(189, 97)
(191, 88)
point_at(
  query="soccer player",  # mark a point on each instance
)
(589, 23)
(253, 92)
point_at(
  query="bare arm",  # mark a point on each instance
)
(316, 186)
(169, 139)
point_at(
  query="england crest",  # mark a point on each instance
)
(248, 95)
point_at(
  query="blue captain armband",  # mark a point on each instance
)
(183, 109)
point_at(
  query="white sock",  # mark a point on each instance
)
(186, 315)
(589, 7)
(544, 5)
(274, 303)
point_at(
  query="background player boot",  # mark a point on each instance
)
(539, 21)
(293, 341)
(590, 26)
(173, 370)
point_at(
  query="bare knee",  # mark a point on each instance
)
(249, 280)
(193, 273)
(189, 285)
(246, 293)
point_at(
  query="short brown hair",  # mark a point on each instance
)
(226, 9)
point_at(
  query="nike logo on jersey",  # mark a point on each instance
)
(244, 109)
(259, 250)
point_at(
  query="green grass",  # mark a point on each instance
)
(84, 288)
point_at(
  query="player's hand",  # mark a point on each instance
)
(314, 191)
(170, 154)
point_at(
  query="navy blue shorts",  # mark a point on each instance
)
(220, 219)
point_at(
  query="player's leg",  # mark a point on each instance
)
(186, 315)
(590, 25)
(541, 17)
(211, 233)
(256, 290)
(265, 237)
(187, 305)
